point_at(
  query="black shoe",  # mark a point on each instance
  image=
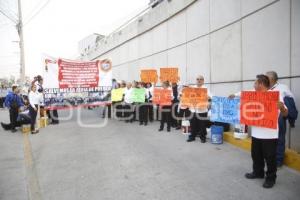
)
(178, 128)
(13, 130)
(34, 132)
(161, 129)
(253, 176)
(268, 184)
(5, 126)
(190, 140)
(168, 130)
(141, 123)
(146, 124)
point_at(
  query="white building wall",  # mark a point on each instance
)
(227, 41)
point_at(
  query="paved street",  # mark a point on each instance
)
(127, 161)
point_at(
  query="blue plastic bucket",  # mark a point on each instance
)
(216, 134)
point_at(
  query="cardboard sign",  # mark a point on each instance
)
(149, 76)
(169, 74)
(117, 94)
(260, 108)
(138, 95)
(196, 98)
(162, 97)
(156, 95)
(225, 110)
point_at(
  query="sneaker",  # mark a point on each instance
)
(253, 176)
(161, 129)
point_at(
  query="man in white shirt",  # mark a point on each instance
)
(199, 119)
(264, 142)
(284, 92)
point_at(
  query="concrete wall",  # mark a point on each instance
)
(228, 41)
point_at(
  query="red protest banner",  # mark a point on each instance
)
(259, 108)
(169, 74)
(78, 74)
(196, 98)
(162, 97)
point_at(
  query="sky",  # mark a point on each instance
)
(57, 28)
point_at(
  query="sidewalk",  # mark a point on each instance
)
(128, 161)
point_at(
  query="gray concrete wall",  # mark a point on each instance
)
(228, 41)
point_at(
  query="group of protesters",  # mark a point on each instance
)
(170, 115)
(24, 108)
(268, 145)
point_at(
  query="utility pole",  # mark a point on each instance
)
(19, 27)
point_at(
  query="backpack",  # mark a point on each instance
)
(292, 110)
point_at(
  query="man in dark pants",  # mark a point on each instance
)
(281, 141)
(284, 92)
(166, 110)
(13, 102)
(54, 117)
(199, 119)
(23, 118)
(175, 101)
(264, 142)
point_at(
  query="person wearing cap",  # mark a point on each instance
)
(199, 119)
(13, 102)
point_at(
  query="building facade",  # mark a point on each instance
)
(227, 41)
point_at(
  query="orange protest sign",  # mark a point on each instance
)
(194, 98)
(149, 76)
(169, 74)
(156, 95)
(259, 108)
(162, 97)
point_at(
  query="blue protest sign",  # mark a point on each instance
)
(225, 110)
